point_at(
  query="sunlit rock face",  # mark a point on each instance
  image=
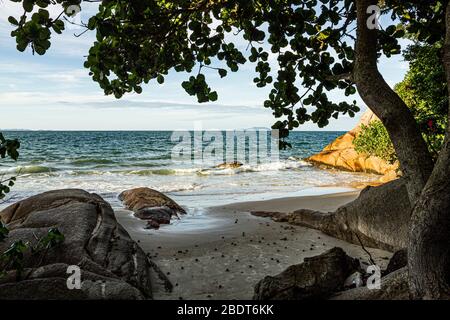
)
(341, 154)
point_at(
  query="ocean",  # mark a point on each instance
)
(110, 162)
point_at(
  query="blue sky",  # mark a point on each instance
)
(55, 92)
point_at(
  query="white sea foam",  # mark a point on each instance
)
(263, 167)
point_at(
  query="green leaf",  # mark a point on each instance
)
(160, 79)
(13, 21)
(213, 96)
(391, 29)
(44, 14)
(28, 5)
(223, 73)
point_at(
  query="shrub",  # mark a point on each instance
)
(424, 91)
(374, 140)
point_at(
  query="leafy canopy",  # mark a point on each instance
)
(312, 40)
(425, 92)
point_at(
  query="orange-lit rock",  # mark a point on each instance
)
(341, 154)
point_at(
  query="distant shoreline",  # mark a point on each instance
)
(156, 130)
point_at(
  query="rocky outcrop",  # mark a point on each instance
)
(378, 218)
(316, 278)
(275, 216)
(341, 154)
(151, 205)
(112, 265)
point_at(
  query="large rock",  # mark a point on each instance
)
(151, 205)
(378, 218)
(112, 265)
(316, 278)
(341, 154)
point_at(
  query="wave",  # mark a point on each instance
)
(87, 172)
(163, 172)
(28, 170)
(137, 165)
(275, 166)
(167, 156)
(96, 163)
(144, 171)
(87, 161)
(289, 164)
(179, 188)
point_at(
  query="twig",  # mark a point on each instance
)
(365, 250)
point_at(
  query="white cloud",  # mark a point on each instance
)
(68, 77)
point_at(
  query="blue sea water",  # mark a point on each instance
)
(110, 162)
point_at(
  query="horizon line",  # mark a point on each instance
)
(153, 130)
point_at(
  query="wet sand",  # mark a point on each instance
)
(222, 252)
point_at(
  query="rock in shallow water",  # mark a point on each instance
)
(151, 205)
(316, 278)
(161, 215)
(112, 265)
(229, 165)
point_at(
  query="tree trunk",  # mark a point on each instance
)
(429, 239)
(415, 159)
(428, 188)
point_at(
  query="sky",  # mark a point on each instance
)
(55, 92)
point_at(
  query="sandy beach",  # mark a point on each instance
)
(222, 252)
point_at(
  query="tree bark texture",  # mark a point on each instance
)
(412, 151)
(429, 239)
